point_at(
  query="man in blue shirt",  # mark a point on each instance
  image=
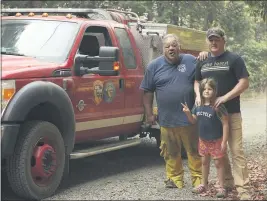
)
(172, 76)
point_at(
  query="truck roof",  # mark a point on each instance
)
(78, 20)
(78, 15)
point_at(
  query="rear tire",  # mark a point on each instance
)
(22, 165)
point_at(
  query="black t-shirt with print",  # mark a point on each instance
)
(226, 69)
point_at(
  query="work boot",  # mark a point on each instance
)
(170, 184)
(244, 196)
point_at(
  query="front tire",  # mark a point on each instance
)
(36, 167)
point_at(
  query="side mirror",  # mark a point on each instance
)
(111, 55)
(108, 62)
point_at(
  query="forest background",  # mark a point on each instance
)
(245, 23)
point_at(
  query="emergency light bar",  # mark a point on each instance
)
(75, 11)
(79, 12)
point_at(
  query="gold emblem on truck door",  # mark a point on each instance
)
(109, 92)
(98, 91)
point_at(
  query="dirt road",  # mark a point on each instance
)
(138, 172)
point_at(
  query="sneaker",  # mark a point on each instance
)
(170, 184)
(199, 189)
(221, 193)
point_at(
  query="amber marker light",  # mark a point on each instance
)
(116, 66)
(69, 16)
(18, 14)
(45, 15)
(7, 93)
(31, 14)
(8, 90)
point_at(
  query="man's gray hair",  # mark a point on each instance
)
(175, 37)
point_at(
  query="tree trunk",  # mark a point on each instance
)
(175, 13)
(160, 8)
(209, 20)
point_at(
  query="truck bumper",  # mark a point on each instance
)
(9, 134)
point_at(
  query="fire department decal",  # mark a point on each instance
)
(98, 91)
(81, 105)
(181, 68)
(109, 92)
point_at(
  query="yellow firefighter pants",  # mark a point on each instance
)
(171, 143)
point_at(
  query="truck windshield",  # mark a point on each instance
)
(47, 40)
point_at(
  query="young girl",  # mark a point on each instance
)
(213, 131)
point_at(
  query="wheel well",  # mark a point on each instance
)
(47, 112)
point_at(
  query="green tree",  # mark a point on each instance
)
(258, 8)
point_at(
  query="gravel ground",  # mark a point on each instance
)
(138, 172)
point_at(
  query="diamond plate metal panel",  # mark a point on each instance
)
(150, 46)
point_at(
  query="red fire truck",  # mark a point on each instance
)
(70, 76)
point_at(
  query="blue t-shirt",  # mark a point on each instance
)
(209, 121)
(173, 84)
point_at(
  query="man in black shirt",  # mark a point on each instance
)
(231, 75)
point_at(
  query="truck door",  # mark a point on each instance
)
(133, 76)
(99, 102)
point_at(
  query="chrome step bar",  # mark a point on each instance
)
(104, 148)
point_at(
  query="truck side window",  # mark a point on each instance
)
(93, 38)
(127, 51)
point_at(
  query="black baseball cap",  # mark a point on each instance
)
(215, 31)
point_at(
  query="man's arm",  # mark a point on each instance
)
(196, 88)
(198, 77)
(148, 102)
(203, 55)
(241, 86)
(148, 86)
(241, 73)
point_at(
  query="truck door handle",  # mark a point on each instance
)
(121, 84)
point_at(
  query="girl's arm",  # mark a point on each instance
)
(223, 116)
(225, 124)
(191, 117)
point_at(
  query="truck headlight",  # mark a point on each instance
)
(8, 90)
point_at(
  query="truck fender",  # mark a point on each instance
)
(36, 93)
